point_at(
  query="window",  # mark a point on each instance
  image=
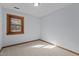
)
(15, 24)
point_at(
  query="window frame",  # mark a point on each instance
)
(9, 16)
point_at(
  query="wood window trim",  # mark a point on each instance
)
(9, 16)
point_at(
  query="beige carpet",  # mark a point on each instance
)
(36, 48)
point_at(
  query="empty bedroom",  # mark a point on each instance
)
(39, 29)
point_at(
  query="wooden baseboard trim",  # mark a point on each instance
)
(43, 41)
(1, 49)
(20, 43)
(61, 47)
(69, 50)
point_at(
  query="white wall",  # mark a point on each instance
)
(0, 28)
(31, 28)
(62, 27)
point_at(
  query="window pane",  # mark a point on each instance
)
(15, 28)
(15, 21)
(15, 25)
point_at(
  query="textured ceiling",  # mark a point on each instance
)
(37, 11)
